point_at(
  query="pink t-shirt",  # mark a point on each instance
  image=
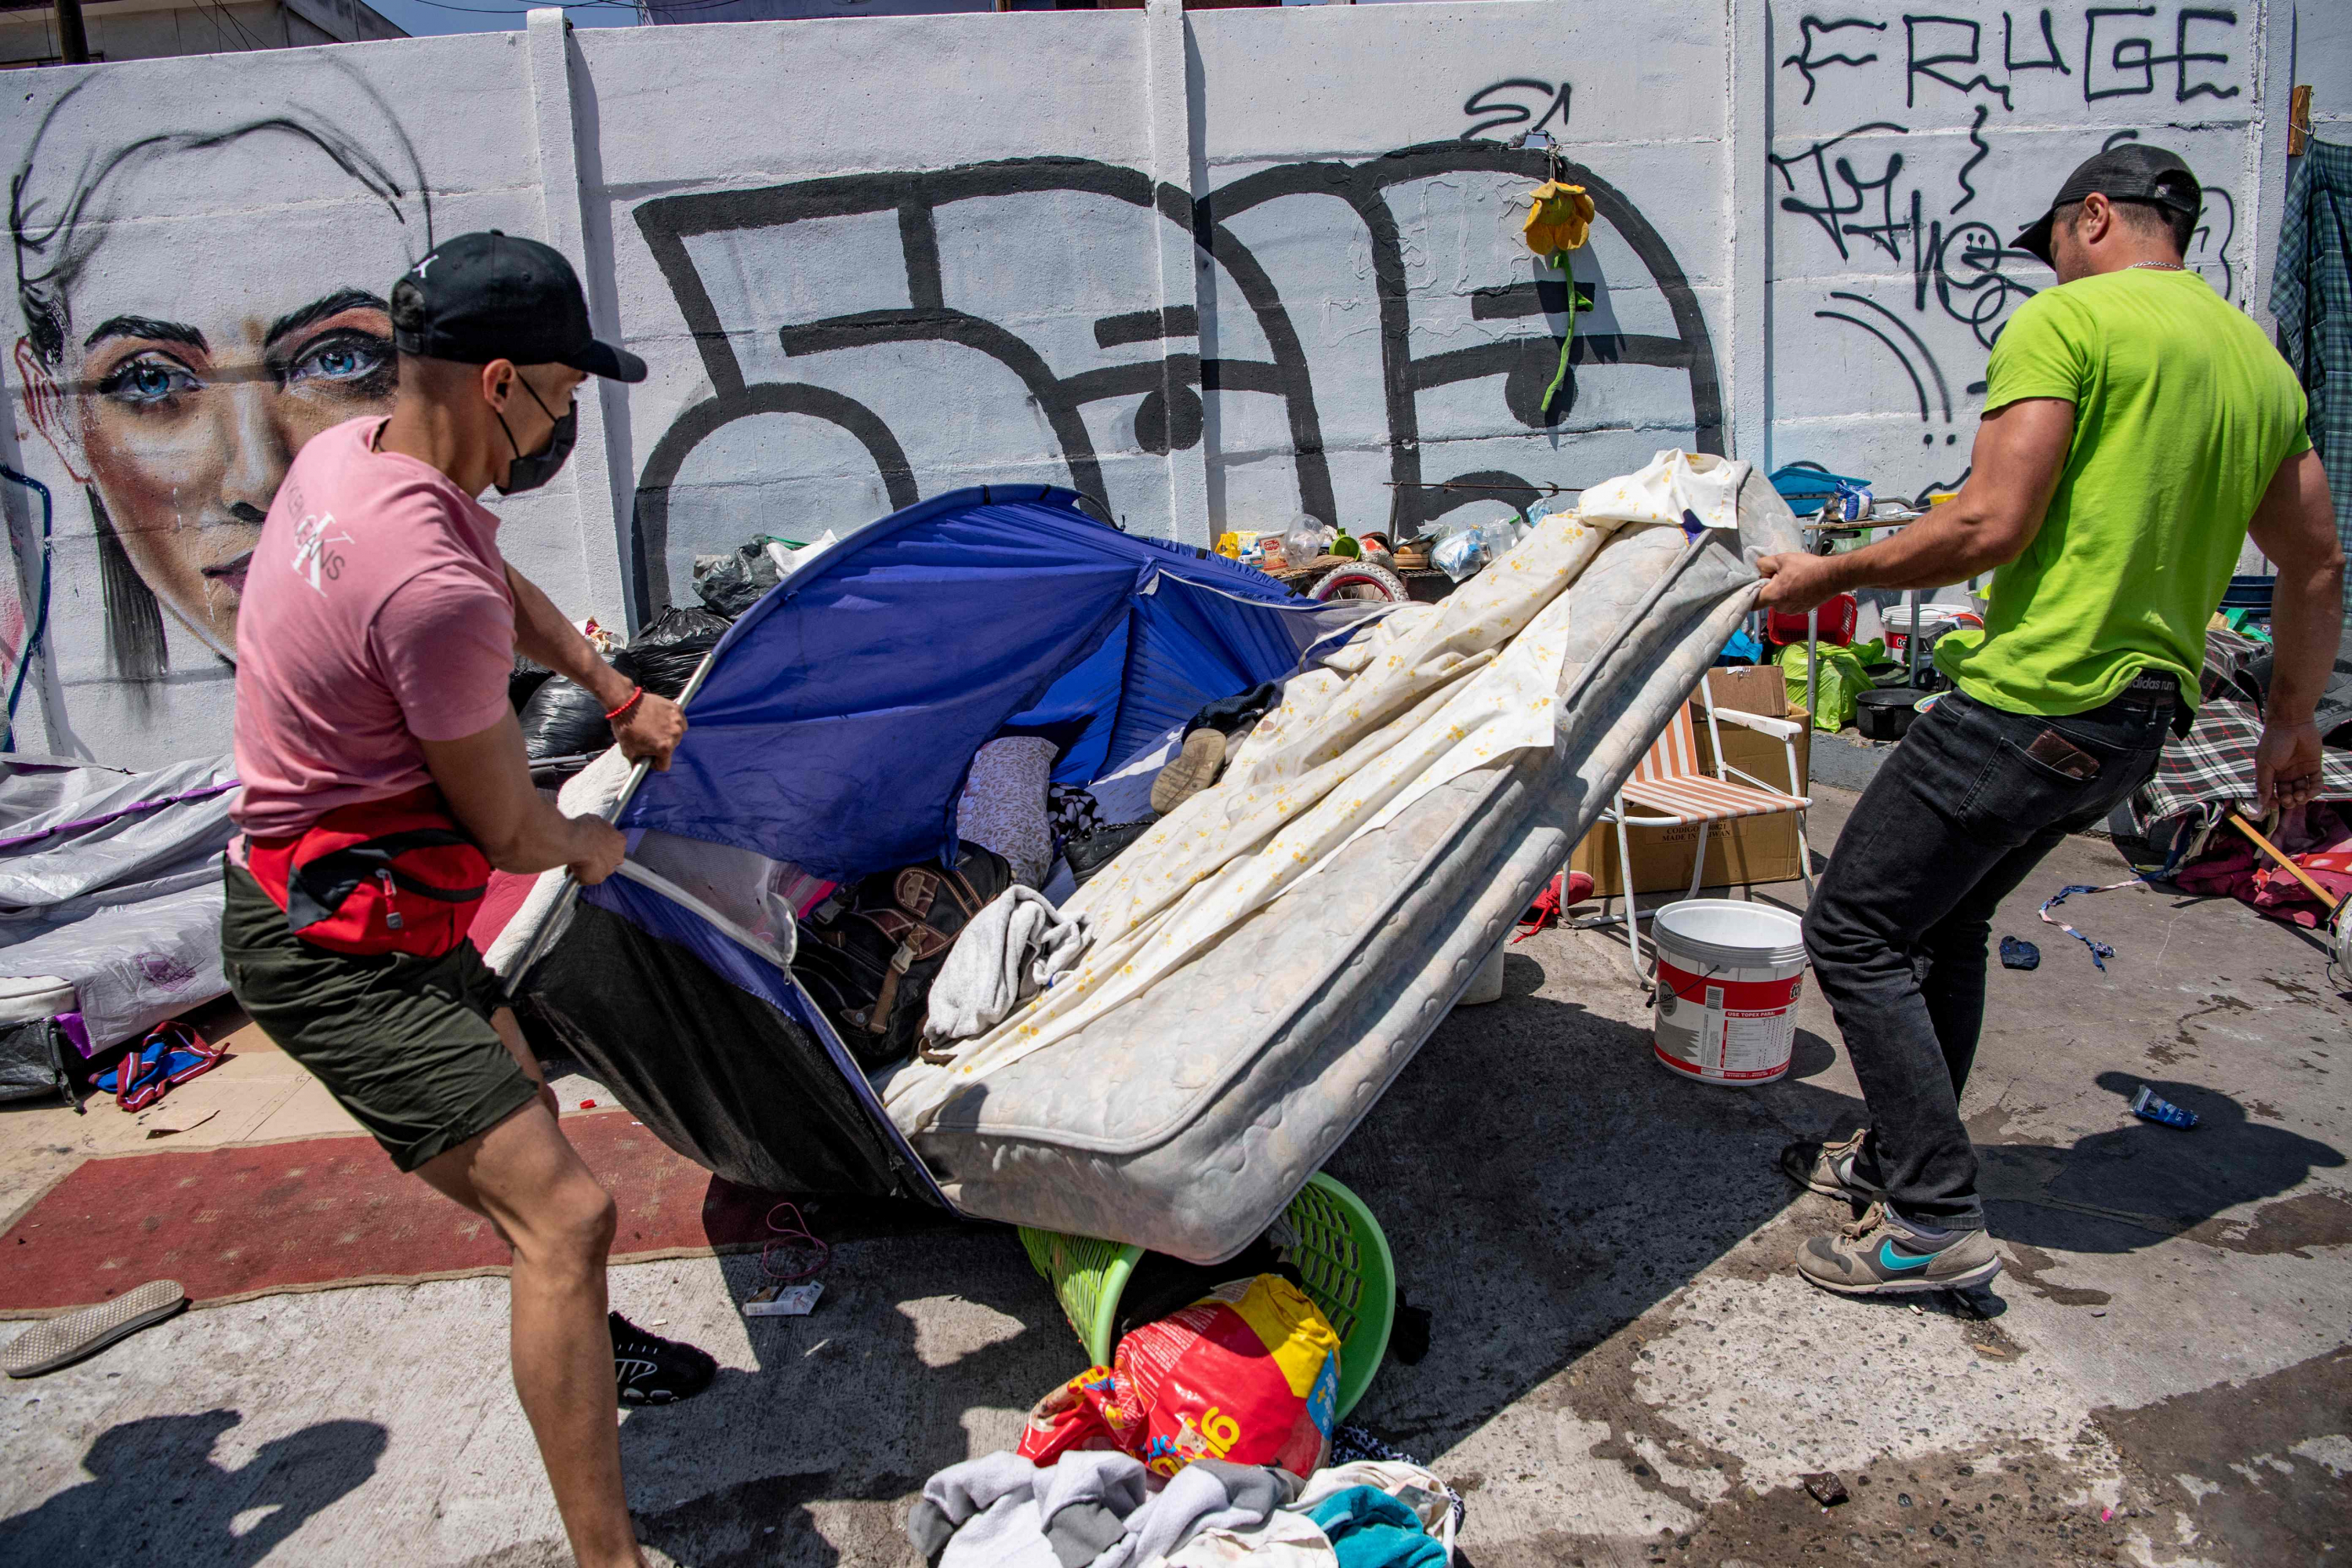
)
(377, 612)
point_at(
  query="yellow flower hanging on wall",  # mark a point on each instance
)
(1560, 219)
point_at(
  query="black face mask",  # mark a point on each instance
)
(529, 471)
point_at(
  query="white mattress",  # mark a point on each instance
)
(1185, 1119)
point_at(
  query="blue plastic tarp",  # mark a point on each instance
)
(841, 713)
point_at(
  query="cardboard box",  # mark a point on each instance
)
(1756, 849)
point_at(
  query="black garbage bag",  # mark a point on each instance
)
(663, 656)
(527, 676)
(563, 719)
(732, 583)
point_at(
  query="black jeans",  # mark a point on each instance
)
(1958, 815)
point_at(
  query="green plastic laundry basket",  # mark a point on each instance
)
(1334, 1243)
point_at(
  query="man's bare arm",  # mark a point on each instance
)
(2295, 525)
(486, 779)
(2021, 451)
(652, 727)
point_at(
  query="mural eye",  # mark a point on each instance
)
(342, 358)
(145, 382)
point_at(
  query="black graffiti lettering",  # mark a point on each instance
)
(1170, 413)
(1920, 65)
(2129, 54)
(1980, 296)
(2184, 89)
(1808, 29)
(2218, 196)
(1833, 204)
(1147, 326)
(2049, 61)
(1985, 290)
(1926, 355)
(2115, 59)
(1983, 150)
(1506, 112)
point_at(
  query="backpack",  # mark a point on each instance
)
(870, 953)
(397, 875)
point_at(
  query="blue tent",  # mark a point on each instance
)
(841, 711)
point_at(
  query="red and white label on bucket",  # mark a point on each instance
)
(1723, 1029)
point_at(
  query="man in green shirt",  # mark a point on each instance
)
(2135, 428)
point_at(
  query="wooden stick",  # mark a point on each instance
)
(2327, 900)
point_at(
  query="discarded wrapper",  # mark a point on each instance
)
(2018, 954)
(2153, 1107)
(782, 1301)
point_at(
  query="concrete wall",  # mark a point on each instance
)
(1210, 267)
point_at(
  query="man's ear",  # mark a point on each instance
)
(497, 383)
(45, 400)
(2096, 217)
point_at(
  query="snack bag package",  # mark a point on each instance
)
(1072, 1418)
(1249, 1372)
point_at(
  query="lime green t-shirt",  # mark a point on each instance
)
(2183, 412)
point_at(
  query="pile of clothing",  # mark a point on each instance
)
(1207, 1442)
(1099, 1511)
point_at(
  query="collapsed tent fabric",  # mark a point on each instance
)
(841, 712)
(110, 886)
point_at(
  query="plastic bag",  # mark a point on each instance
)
(1460, 554)
(663, 656)
(1248, 1374)
(1304, 540)
(563, 719)
(527, 676)
(731, 583)
(1846, 676)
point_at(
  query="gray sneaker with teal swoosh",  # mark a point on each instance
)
(1832, 1169)
(1879, 1255)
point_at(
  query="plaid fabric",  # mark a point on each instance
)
(2311, 295)
(2210, 772)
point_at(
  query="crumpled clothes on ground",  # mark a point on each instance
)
(1369, 1528)
(1003, 804)
(1012, 949)
(1088, 1509)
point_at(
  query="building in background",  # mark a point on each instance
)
(149, 29)
(668, 12)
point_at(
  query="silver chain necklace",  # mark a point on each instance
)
(2158, 266)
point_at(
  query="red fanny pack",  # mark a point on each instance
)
(396, 875)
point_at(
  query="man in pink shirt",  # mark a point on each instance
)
(385, 775)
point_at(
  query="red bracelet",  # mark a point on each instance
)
(626, 702)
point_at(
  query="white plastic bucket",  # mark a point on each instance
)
(1729, 973)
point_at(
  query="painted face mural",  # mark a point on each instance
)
(182, 339)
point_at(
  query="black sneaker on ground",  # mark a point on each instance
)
(650, 1370)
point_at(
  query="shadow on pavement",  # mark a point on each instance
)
(1543, 1182)
(156, 1493)
(2133, 1186)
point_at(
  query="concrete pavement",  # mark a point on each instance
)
(1623, 1370)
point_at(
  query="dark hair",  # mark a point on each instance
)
(135, 616)
(2144, 217)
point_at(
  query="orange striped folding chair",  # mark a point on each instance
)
(1670, 790)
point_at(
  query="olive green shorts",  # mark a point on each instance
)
(403, 1043)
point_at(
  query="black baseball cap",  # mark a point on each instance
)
(486, 296)
(2131, 173)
